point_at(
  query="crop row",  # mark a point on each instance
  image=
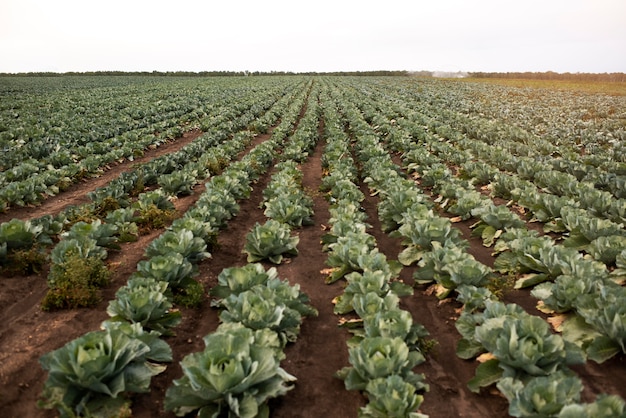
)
(483, 333)
(146, 300)
(420, 152)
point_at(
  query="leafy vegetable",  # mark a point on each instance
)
(263, 307)
(381, 357)
(235, 375)
(391, 397)
(376, 281)
(94, 370)
(172, 268)
(234, 280)
(143, 301)
(541, 396)
(271, 241)
(182, 242)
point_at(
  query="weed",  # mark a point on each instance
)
(25, 262)
(190, 296)
(76, 283)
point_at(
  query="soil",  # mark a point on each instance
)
(27, 332)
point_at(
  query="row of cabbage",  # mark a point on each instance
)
(579, 282)
(504, 331)
(48, 162)
(239, 370)
(285, 202)
(113, 215)
(580, 133)
(94, 374)
(594, 181)
(577, 271)
(386, 343)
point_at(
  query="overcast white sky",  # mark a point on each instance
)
(316, 35)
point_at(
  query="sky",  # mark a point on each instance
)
(320, 35)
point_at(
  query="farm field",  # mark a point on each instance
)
(459, 243)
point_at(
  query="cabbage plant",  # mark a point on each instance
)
(295, 209)
(451, 267)
(603, 406)
(420, 232)
(172, 268)
(182, 242)
(144, 301)
(391, 397)
(600, 327)
(381, 357)
(263, 307)
(271, 241)
(88, 375)
(234, 280)
(522, 345)
(103, 233)
(235, 375)
(377, 281)
(541, 396)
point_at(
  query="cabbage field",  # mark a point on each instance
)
(304, 246)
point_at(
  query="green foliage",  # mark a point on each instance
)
(419, 234)
(585, 228)
(381, 357)
(294, 209)
(151, 217)
(235, 375)
(276, 305)
(541, 396)
(124, 220)
(235, 280)
(103, 234)
(144, 301)
(215, 206)
(392, 323)
(271, 241)
(75, 282)
(89, 375)
(465, 202)
(493, 221)
(347, 252)
(17, 234)
(602, 332)
(397, 202)
(606, 248)
(191, 295)
(604, 406)
(178, 183)
(522, 345)
(172, 268)
(154, 210)
(376, 281)
(549, 263)
(474, 298)
(181, 242)
(451, 267)
(562, 295)
(201, 229)
(391, 397)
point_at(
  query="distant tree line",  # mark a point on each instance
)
(550, 75)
